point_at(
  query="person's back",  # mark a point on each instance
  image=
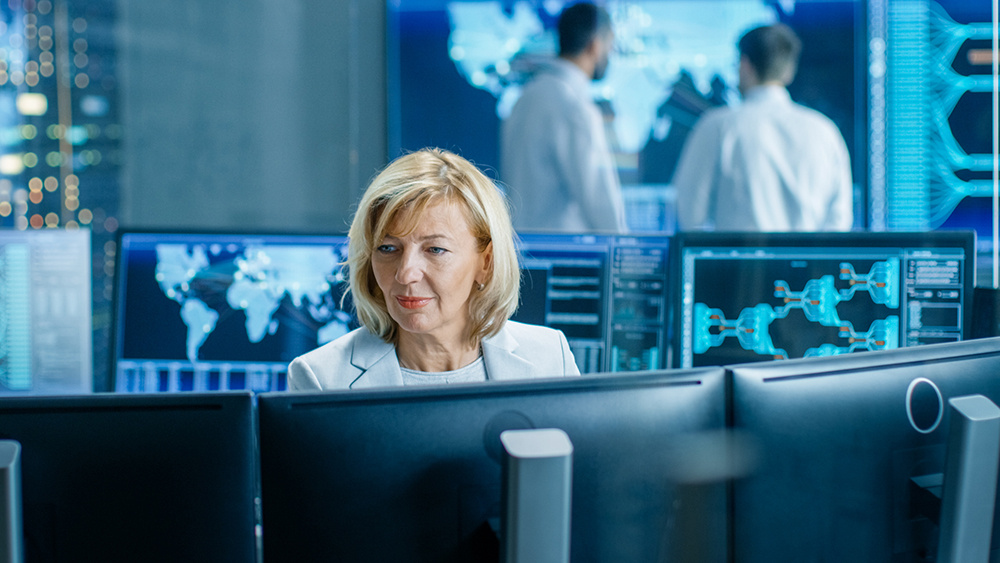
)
(555, 159)
(767, 165)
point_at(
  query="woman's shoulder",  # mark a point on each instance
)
(339, 346)
(330, 366)
(528, 331)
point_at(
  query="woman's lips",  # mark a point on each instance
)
(412, 302)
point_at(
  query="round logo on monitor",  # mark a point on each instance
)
(924, 405)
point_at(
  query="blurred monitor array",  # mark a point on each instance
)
(45, 312)
(205, 312)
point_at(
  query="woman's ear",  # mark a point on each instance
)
(486, 265)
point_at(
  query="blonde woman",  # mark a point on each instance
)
(434, 276)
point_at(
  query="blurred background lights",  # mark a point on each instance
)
(94, 106)
(78, 135)
(32, 103)
(11, 164)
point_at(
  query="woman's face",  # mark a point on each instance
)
(428, 275)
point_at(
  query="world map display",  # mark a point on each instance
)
(254, 281)
(659, 45)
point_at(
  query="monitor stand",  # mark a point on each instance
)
(962, 500)
(11, 528)
(536, 496)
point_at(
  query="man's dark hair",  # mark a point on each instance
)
(579, 24)
(773, 50)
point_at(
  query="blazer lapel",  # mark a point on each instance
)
(377, 361)
(501, 359)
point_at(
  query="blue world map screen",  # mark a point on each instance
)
(213, 312)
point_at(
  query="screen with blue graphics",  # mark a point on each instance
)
(745, 298)
(207, 312)
(608, 294)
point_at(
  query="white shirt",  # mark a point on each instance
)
(767, 165)
(555, 158)
(472, 373)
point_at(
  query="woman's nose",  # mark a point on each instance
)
(409, 269)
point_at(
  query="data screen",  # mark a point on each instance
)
(608, 294)
(46, 328)
(779, 297)
(205, 312)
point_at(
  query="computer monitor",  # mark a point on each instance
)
(840, 439)
(127, 477)
(217, 311)
(756, 296)
(415, 474)
(45, 312)
(607, 293)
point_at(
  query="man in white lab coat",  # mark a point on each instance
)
(555, 158)
(768, 164)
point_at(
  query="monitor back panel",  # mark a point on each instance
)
(165, 477)
(840, 439)
(414, 475)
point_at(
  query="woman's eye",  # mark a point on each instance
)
(437, 250)
(385, 248)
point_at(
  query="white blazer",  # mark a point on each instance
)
(360, 359)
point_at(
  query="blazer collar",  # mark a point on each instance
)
(380, 368)
(502, 361)
(377, 361)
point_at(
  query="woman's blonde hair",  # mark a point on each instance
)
(398, 197)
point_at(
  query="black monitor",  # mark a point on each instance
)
(45, 312)
(607, 293)
(415, 474)
(131, 477)
(755, 296)
(213, 311)
(841, 438)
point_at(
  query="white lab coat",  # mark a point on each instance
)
(767, 165)
(555, 158)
